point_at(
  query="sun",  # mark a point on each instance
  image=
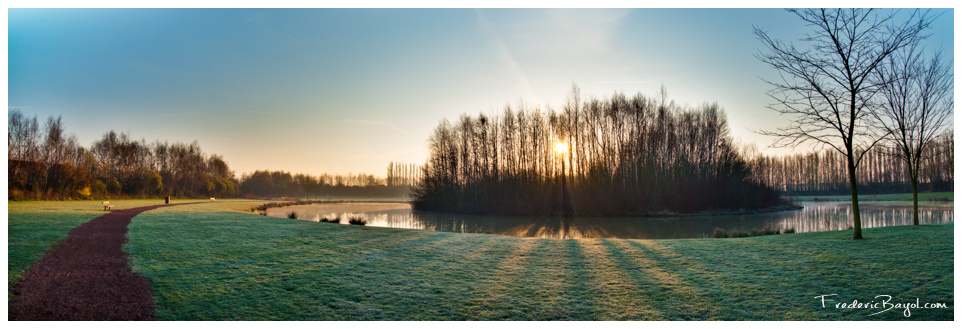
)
(561, 147)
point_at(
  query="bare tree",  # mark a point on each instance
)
(826, 86)
(23, 138)
(916, 107)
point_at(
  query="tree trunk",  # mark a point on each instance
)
(915, 199)
(853, 181)
(565, 203)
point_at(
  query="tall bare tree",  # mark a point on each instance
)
(916, 107)
(827, 84)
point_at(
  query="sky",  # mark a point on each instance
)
(349, 90)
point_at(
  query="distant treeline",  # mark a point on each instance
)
(281, 183)
(621, 155)
(44, 163)
(882, 171)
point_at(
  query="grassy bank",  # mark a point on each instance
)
(208, 263)
(214, 261)
(923, 197)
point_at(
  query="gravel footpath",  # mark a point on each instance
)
(86, 277)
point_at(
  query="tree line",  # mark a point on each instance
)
(45, 163)
(616, 156)
(883, 170)
(264, 183)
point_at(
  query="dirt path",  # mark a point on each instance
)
(86, 277)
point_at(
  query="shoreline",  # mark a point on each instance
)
(662, 214)
(865, 204)
(720, 213)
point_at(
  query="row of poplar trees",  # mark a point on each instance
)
(883, 170)
(618, 156)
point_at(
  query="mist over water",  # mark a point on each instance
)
(814, 217)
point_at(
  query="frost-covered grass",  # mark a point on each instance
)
(209, 262)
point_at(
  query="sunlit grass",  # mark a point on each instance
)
(218, 261)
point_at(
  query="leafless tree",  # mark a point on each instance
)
(916, 108)
(23, 138)
(826, 85)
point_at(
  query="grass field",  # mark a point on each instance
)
(33, 227)
(212, 261)
(923, 197)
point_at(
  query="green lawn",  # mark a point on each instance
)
(923, 197)
(34, 226)
(215, 262)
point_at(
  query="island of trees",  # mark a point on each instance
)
(623, 155)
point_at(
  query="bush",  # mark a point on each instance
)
(766, 230)
(357, 220)
(769, 231)
(335, 220)
(789, 231)
(84, 192)
(720, 233)
(292, 215)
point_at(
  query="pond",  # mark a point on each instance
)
(815, 216)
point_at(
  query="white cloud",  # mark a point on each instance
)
(523, 86)
(538, 47)
(566, 32)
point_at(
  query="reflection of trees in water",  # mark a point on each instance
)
(814, 217)
(540, 227)
(832, 217)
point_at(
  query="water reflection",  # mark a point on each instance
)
(816, 216)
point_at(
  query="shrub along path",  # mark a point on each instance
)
(86, 277)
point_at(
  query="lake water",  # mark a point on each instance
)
(815, 216)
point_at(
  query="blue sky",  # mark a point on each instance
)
(349, 90)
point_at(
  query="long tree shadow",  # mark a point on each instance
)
(617, 293)
(669, 291)
(795, 272)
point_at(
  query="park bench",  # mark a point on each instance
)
(107, 205)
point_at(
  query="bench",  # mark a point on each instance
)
(107, 205)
